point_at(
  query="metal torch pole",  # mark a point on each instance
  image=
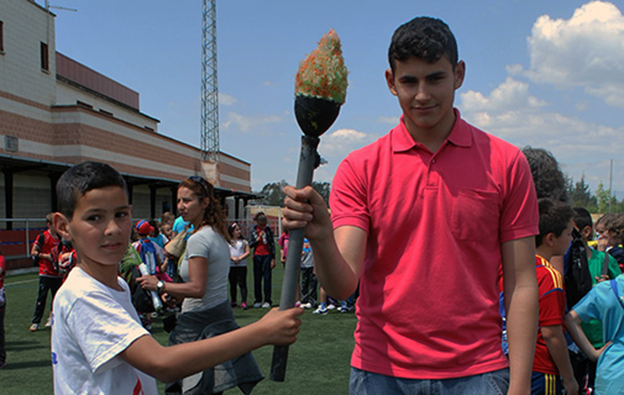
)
(307, 160)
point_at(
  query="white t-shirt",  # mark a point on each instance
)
(207, 243)
(91, 325)
(237, 248)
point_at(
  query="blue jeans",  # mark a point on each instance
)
(367, 383)
(262, 272)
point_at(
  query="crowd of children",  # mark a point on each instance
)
(595, 323)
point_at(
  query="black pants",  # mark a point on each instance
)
(263, 271)
(238, 278)
(308, 286)
(584, 370)
(46, 284)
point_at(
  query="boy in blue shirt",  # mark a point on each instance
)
(605, 304)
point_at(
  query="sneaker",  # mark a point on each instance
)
(330, 307)
(266, 305)
(257, 305)
(342, 309)
(233, 304)
(321, 310)
(244, 306)
(48, 323)
(306, 305)
(34, 327)
(298, 304)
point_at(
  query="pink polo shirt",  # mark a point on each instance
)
(428, 305)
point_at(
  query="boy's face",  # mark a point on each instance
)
(426, 91)
(100, 227)
(562, 243)
(608, 237)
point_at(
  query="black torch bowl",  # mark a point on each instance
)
(315, 115)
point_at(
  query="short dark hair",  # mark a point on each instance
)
(582, 218)
(82, 178)
(547, 176)
(425, 38)
(554, 217)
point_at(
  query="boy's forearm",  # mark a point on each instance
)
(168, 364)
(558, 349)
(521, 305)
(522, 337)
(338, 270)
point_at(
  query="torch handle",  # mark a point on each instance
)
(288, 297)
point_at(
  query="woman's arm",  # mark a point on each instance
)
(194, 288)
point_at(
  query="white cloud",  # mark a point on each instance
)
(342, 141)
(585, 51)
(247, 123)
(389, 120)
(227, 100)
(510, 94)
(511, 113)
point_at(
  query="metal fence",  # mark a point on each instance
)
(18, 234)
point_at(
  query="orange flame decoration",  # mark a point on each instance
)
(323, 74)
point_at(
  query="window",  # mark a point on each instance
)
(1, 36)
(45, 64)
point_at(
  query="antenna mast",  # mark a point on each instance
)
(209, 88)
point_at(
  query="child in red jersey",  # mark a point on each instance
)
(552, 363)
(49, 277)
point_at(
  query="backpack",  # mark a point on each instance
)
(578, 281)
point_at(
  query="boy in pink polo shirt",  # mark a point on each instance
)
(422, 219)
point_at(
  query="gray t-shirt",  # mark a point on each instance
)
(209, 244)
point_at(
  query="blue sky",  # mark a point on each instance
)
(548, 74)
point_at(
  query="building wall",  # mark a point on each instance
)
(67, 94)
(59, 120)
(26, 25)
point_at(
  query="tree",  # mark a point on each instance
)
(607, 203)
(580, 195)
(323, 188)
(273, 193)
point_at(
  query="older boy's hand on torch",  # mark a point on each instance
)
(306, 207)
(281, 327)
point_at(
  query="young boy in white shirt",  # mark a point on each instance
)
(98, 342)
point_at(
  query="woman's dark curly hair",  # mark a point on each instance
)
(214, 215)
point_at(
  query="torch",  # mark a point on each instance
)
(320, 90)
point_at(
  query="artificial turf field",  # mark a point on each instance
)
(318, 363)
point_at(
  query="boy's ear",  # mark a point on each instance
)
(61, 223)
(390, 81)
(549, 239)
(460, 73)
(587, 232)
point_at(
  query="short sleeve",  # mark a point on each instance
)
(102, 328)
(550, 307)
(348, 198)
(197, 246)
(589, 307)
(520, 215)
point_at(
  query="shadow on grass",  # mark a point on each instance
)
(25, 365)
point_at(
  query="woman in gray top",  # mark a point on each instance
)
(206, 310)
